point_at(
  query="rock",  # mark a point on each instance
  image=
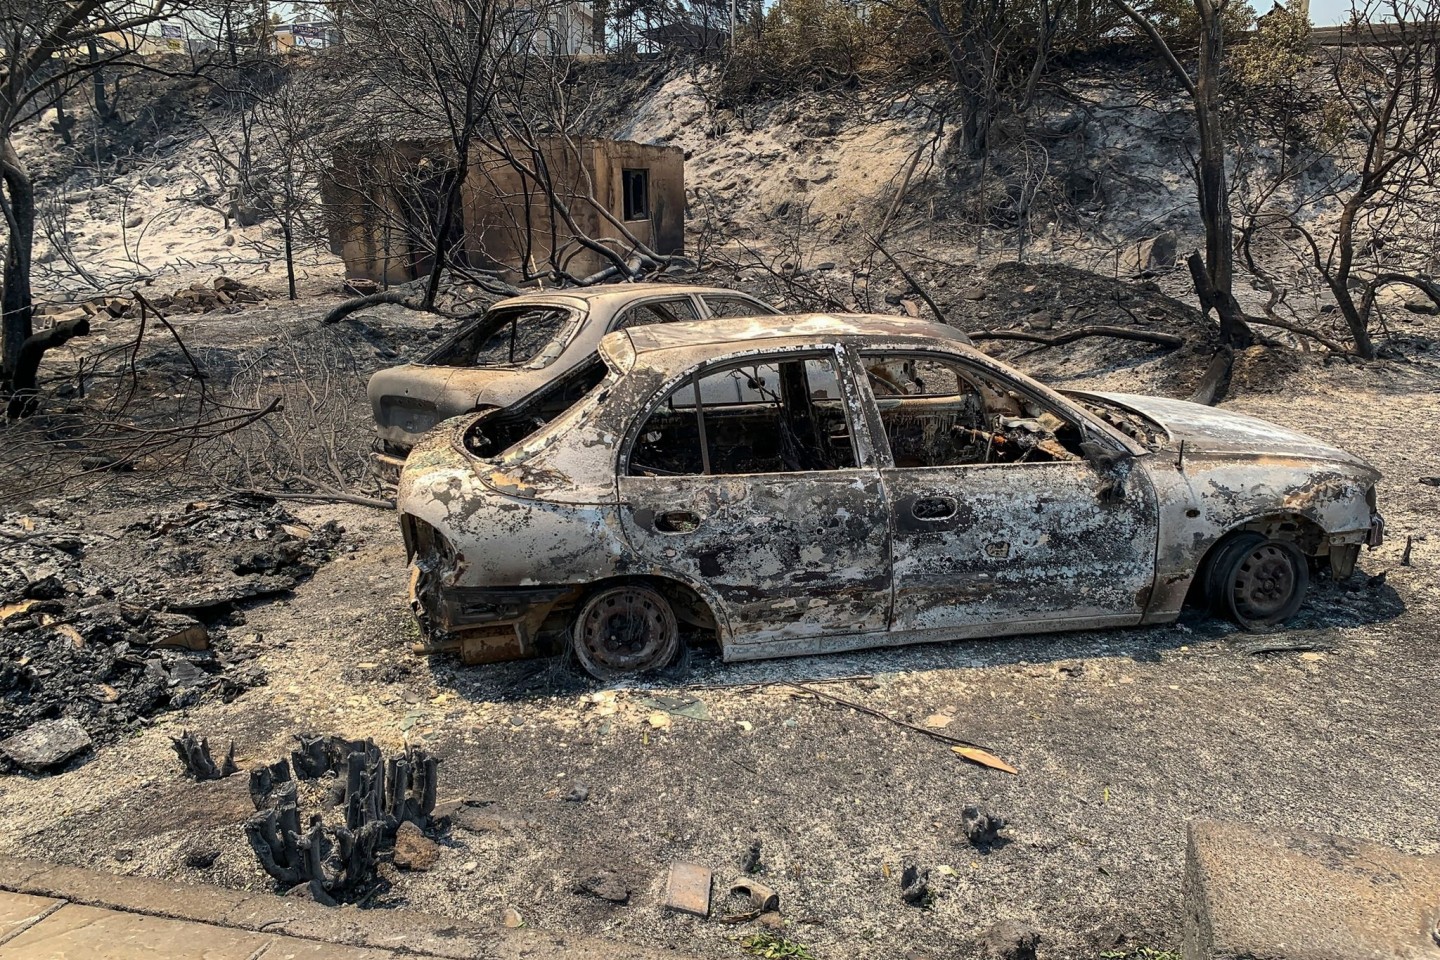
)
(893, 299)
(1295, 895)
(134, 220)
(915, 885)
(578, 793)
(1008, 940)
(981, 826)
(512, 919)
(414, 850)
(1422, 305)
(972, 293)
(201, 856)
(1155, 253)
(47, 744)
(604, 885)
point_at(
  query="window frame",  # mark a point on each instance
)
(765, 309)
(626, 211)
(861, 444)
(880, 438)
(614, 323)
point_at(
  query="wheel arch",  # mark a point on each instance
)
(694, 604)
(1303, 531)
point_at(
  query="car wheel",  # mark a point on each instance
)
(625, 629)
(1257, 582)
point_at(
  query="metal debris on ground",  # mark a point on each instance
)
(915, 886)
(962, 748)
(762, 900)
(687, 889)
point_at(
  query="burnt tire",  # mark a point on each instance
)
(624, 629)
(1257, 582)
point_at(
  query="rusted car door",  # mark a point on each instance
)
(998, 516)
(748, 479)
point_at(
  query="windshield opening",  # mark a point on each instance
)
(508, 337)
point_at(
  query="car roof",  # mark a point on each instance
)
(819, 328)
(609, 293)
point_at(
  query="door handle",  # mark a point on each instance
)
(677, 521)
(933, 508)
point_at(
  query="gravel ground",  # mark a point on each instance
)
(1120, 739)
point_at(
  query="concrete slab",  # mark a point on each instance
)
(15, 871)
(1291, 895)
(91, 933)
(141, 894)
(285, 948)
(19, 910)
(407, 930)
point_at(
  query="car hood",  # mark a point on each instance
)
(1212, 431)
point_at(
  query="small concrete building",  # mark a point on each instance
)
(383, 205)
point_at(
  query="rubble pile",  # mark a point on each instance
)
(224, 293)
(109, 632)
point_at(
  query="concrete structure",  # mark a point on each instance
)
(383, 205)
(50, 912)
(1291, 895)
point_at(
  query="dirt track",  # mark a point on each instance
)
(1120, 738)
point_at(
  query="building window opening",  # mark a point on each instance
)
(635, 185)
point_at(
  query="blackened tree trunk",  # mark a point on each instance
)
(1213, 185)
(1214, 285)
(16, 302)
(451, 210)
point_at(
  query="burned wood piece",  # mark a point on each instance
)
(312, 759)
(333, 863)
(1080, 333)
(264, 779)
(410, 788)
(196, 759)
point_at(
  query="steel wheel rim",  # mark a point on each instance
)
(624, 629)
(1264, 583)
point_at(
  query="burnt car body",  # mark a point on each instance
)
(804, 485)
(523, 345)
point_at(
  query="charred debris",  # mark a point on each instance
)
(112, 630)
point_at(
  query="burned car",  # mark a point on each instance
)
(523, 346)
(803, 485)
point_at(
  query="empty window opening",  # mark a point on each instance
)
(661, 311)
(776, 416)
(737, 307)
(937, 414)
(635, 185)
(507, 337)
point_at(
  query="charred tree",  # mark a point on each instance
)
(1214, 274)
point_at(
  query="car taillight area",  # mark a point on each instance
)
(423, 543)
